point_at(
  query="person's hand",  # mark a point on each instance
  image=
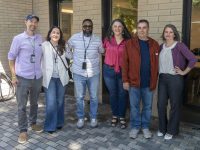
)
(126, 86)
(179, 71)
(14, 81)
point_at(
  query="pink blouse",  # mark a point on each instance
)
(113, 54)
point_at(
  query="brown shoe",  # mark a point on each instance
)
(23, 137)
(36, 128)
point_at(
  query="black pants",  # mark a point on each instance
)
(170, 87)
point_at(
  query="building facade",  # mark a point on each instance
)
(68, 14)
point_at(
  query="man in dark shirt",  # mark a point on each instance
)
(140, 73)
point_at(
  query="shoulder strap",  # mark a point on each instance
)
(59, 56)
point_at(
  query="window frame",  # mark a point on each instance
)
(106, 15)
(186, 22)
(54, 12)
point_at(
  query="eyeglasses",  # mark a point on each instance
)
(87, 26)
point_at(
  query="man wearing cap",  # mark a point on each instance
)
(24, 61)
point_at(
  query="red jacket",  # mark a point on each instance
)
(132, 61)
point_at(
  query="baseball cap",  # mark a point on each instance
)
(29, 17)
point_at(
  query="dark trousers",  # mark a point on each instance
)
(27, 88)
(170, 87)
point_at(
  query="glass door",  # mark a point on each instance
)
(127, 11)
(193, 85)
(123, 9)
(66, 23)
(65, 17)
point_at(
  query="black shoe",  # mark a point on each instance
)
(50, 132)
(59, 128)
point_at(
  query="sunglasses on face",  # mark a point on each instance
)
(87, 26)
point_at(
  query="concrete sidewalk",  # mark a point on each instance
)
(101, 138)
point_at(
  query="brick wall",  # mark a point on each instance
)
(11, 23)
(159, 13)
(87, 9)
(41, 9)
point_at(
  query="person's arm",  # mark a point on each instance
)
(104, 44)
(12, 70)
(125, 64)
(126, 86)
(12, 55)
(182, 72)
(101, 48)
(69, 53)
(189, 56)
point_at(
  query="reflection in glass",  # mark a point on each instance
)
(195, 25)
(193, 79)
(66, 14)
(127, 11)
(193, 87)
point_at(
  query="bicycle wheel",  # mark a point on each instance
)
(7, 90)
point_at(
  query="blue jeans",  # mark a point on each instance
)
(137, 119)
(118, 96)
(92, 83)
(55, 95)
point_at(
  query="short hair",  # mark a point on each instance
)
(143, 21)
(89, 20)
(174, 29)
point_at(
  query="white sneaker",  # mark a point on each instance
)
(133, 133)
(80, 123)
(168, 136)
(159, 134)
(93, 123)
(147, 133)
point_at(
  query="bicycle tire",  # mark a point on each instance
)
(11, 90)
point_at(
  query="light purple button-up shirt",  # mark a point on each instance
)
(22, 47)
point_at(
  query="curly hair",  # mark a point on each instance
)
(61, 41)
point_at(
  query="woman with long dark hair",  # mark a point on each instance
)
(55, 78)
(175, 61)
(114, 44)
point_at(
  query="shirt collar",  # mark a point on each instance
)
(27, 36)
(113, 40)
(170, 47)
(81, 34)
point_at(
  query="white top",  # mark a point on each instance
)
(95, 48)
(47, 65)
(166, 61)
(55, 63)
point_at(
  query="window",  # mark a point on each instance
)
(65, 18)
(191, 33)
(127, 11)
(195, 25)
(123, 9)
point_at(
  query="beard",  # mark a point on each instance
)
(87, 33)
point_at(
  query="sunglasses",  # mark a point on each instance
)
(87, 26)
